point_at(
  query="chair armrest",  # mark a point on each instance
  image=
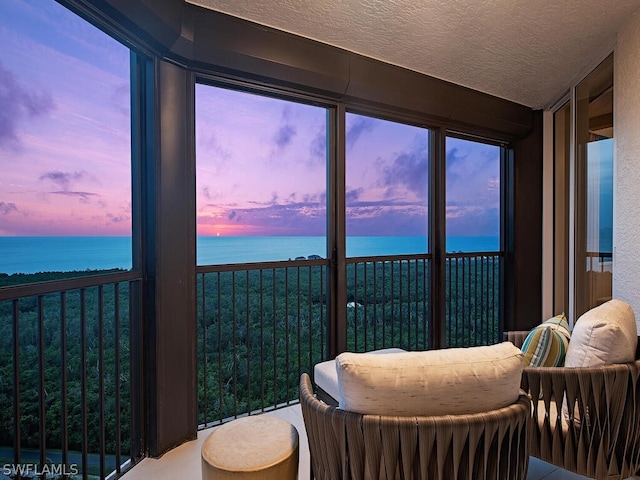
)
(516, 337)
(586, 412)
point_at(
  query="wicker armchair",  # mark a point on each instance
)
(346, 445)
(601, 437)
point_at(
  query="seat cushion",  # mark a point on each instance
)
(604, 335)
(325, 374)
(546, 345)
(438, 382)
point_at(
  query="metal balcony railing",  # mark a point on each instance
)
(261, 325)
(388, 303)
(71, 349)
(473, 312)
(70, 377)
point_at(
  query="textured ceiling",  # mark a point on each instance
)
(528, 51)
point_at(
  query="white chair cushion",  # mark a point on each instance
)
(325, 375)
(604, 335)
(436, 382)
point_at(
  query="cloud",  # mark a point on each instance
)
(385, 220)
(469, 220)
(121, 98)
(356, 126)
(284, 136)
(473, 188)
(7, 208)
(408, 170)
(117, 218)
(473, 176)
(298, 214)
(82, 195)
(209, 150)
(18, 103)
(318, 147)
(353, 194)
(63, 179)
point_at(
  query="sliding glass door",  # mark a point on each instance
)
(583, 195)
(594, 188)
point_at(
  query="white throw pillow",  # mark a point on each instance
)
(604, 335)
(436, 382)
(325, 375)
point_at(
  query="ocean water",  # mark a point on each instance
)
(59, 254)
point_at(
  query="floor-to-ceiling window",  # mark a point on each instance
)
(386, 214)
(265, 258)
(473, 198)
(583, 189)
(261, 201)
(261, 177)
(65, 143)
(594, 188)
(387, 169)
(66, 250)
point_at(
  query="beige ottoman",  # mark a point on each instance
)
(255, 447)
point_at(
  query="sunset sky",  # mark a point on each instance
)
(261, 162)
(64, 124)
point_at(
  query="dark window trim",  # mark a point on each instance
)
(209, 42)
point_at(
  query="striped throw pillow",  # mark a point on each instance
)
(546, 345)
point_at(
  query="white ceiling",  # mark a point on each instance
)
(528, 51)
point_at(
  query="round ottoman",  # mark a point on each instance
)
(254, 447)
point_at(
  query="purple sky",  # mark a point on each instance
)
(261, 162)
(261, 170)
(64, 124)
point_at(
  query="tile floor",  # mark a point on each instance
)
(184, 462)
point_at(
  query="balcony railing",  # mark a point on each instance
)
(261, 325)
(473, 312)
(68, 377)
(388, 303)
(70, 372)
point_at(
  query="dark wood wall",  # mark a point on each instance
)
(524, 291)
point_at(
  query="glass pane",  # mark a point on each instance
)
(473, 196)
(260, 178)
(473, 225)
(594, 188)
(387, 169)
(65, 143)
(65, 210)
(562, 142)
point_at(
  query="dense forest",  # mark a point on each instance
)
(84, 330)
(257, 331)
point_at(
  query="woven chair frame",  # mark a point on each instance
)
(346, 445)
(601, 434)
